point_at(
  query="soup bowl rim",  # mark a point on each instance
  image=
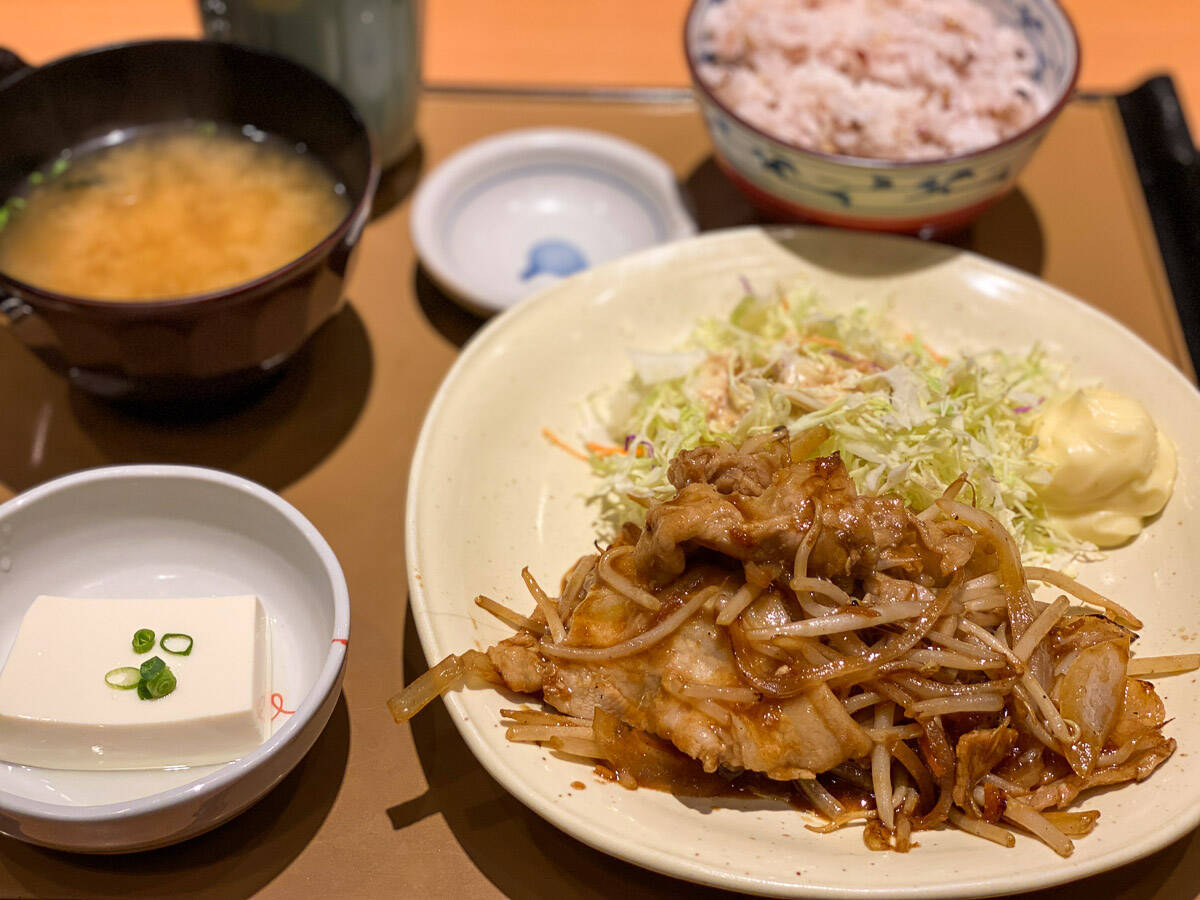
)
(353, 220)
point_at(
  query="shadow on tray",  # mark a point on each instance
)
(1008, 232)
(714, 202)
(273, 437)
(234, 860)
(1172, 873)
(452, 322)
(397, 181)
(519, 852)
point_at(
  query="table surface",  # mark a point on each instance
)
(551, 42)
(380, 808)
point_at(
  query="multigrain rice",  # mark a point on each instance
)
(888, 79)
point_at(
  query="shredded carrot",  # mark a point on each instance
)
(639, 451)
(605, 449)
(561, 444)
(909, 337)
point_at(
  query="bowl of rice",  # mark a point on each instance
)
(889, 115)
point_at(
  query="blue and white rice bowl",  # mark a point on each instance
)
(790, 182)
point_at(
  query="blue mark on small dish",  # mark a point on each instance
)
(554, 257)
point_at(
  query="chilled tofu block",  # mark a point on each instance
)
(57, 710)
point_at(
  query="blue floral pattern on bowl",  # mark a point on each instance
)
(879, 193)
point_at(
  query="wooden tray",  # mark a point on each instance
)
(380, 809)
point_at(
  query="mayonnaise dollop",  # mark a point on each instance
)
(1110, 465)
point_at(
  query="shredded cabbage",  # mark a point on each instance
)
(905, 419)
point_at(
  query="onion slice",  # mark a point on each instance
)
(917, 769)
(717, 692)
(862, 701)
(990, 641)
(1041, 626)
(607, 572)
(542, 717)
(800, 562)
(980, 828)
(571, 593)
(1150, 666)
(509, 616)
(823, 801)
(521, 734)
(835, 623)
(823, 587)
(944, 706)
(1115, 611)
(548, 607)
(643, 641)
(1038, 825)
(737, 604)
(447, 675)
(881, 767)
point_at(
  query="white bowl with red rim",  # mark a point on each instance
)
(172, 531)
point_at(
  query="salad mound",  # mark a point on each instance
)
(904, 418)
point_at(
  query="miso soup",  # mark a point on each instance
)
(168, 213)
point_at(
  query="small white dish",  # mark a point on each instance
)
(516, 212)
(170, 531)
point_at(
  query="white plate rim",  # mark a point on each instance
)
(668, 863)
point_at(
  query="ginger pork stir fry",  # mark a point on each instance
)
(771, 631)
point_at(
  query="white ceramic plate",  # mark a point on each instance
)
(489, 495)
